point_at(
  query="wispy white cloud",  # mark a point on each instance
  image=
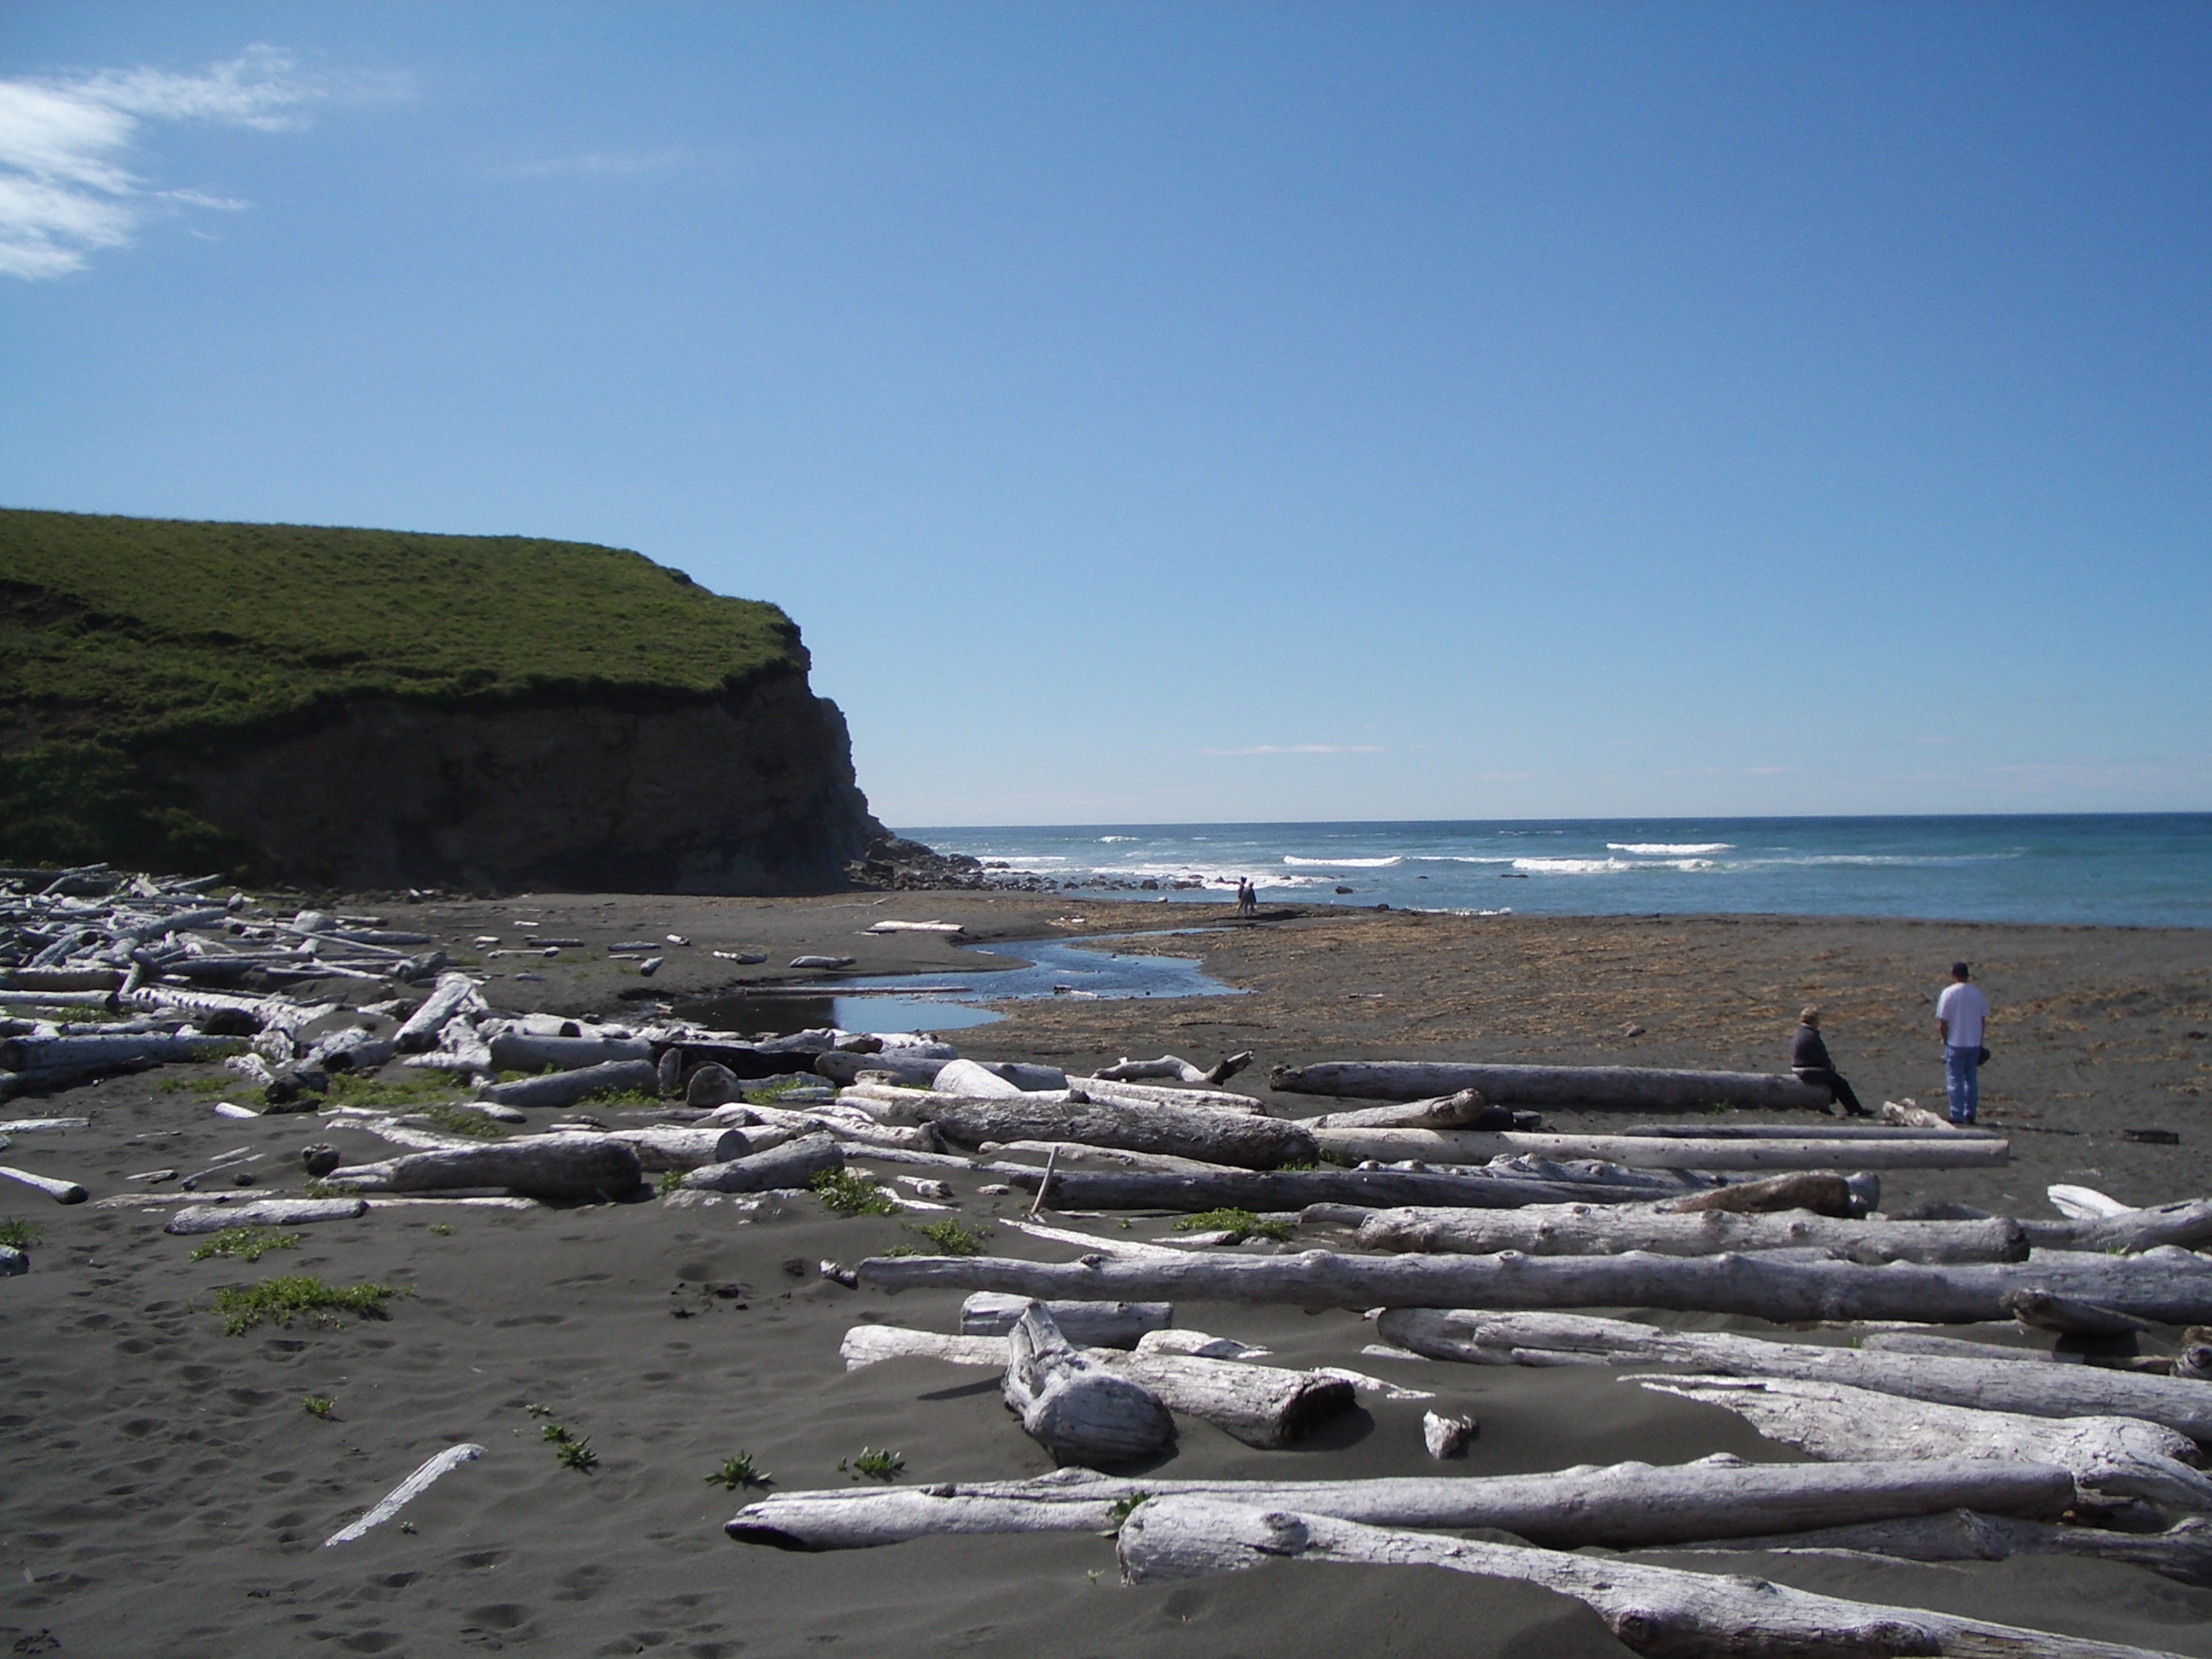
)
(596, 164)
(1302, 748)
(66, 187)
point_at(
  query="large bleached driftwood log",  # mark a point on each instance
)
(524, 1051)
(264, 1213)
(560, 1089)
(2032, 1390)
(420, 1030)
(1264, 1406)
(1858, 1133)
(667, 1148)
(1280, 1189)
(2187, 1223)
(2171, 1286)
(1662, 1152)
(1638, 1087)
(1652, 1610)
(1587, 1230)
(1157, 1094)
(919, 1070)
(100, 1050)
(1621, 1506)
(1072, 1406)
(1466, 1110)
(2182, 1552)
(1243, 1141)
(1092, 1324)
(793, 1164)
(2108, 1457)
(536, 1167)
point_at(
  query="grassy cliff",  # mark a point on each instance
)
(125, 642)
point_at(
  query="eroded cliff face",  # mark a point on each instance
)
(749, 791)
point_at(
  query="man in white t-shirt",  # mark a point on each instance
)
(1962, 1015)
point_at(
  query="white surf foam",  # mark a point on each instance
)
(1669, 848)
(1344, 863)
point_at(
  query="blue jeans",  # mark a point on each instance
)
(1962, 1076)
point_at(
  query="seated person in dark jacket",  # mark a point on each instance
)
(1808, 1059)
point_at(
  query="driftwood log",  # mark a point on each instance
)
(526, 1051)
(793, 1164)
(1662, 1152)
(1173, 1066)
(1279, 1190)
(1636, 1087)
(1092, 1324)
(1239, 1139)
(264, 1213)
(406, 1493)
(60, 1191)
(1587, 1230)
(13, 1261)
(1822, 1194)
(2182, 1552)
(1264, 1406)
(1160, 1094)
(2108, 1457)
(2171, 1286)
(2188, 1223)
(419, 1032)
(665, 1146)
(2031, 1390)
(1620, 1506)
(1465, 1111)
(560, 1089)
(534, 1167)
(1072, 1406)
(1652, 1610)
(1857, 1133)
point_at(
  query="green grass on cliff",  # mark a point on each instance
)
(124, 639)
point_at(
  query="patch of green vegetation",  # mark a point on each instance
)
(443, 1230)
(769, 1097)
(671, 1181)
(414, 1094)
(951, 1237)
(740, 1470)
(876, 1465)
(319, 1405)
(1341, 1159)
(459, 1120)
(573, 1450)
(539, 1411)
(221, 1084)
(1241, 1225)
(18, 1234)
(627, 1100)
(277, 1301)
(247, 1244)
(331, 1190)
(129, 647)
(851, 1195)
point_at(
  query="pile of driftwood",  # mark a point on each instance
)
(1465, 1244)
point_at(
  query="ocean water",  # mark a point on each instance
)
(2150, 869)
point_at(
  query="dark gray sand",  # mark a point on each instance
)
(165, 1492)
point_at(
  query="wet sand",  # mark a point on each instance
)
(165, 1492)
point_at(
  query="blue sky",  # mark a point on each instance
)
(1166, 413)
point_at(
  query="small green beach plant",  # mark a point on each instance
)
(18, 1234)
(319, 1405)
(459, 1120)
(571, 1451)
(951, 1237)
(1123, 1508)
(1240, 1224)
(849, 1194)
(876, 1465)
(740, 1470)
(247, 1244)
(277, 1301)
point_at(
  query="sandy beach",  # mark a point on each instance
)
(165, 1492)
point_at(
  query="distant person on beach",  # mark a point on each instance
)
(1808, 1059)
(1248, 896)
(1961, 1014)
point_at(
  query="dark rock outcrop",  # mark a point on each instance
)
(749, 791)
